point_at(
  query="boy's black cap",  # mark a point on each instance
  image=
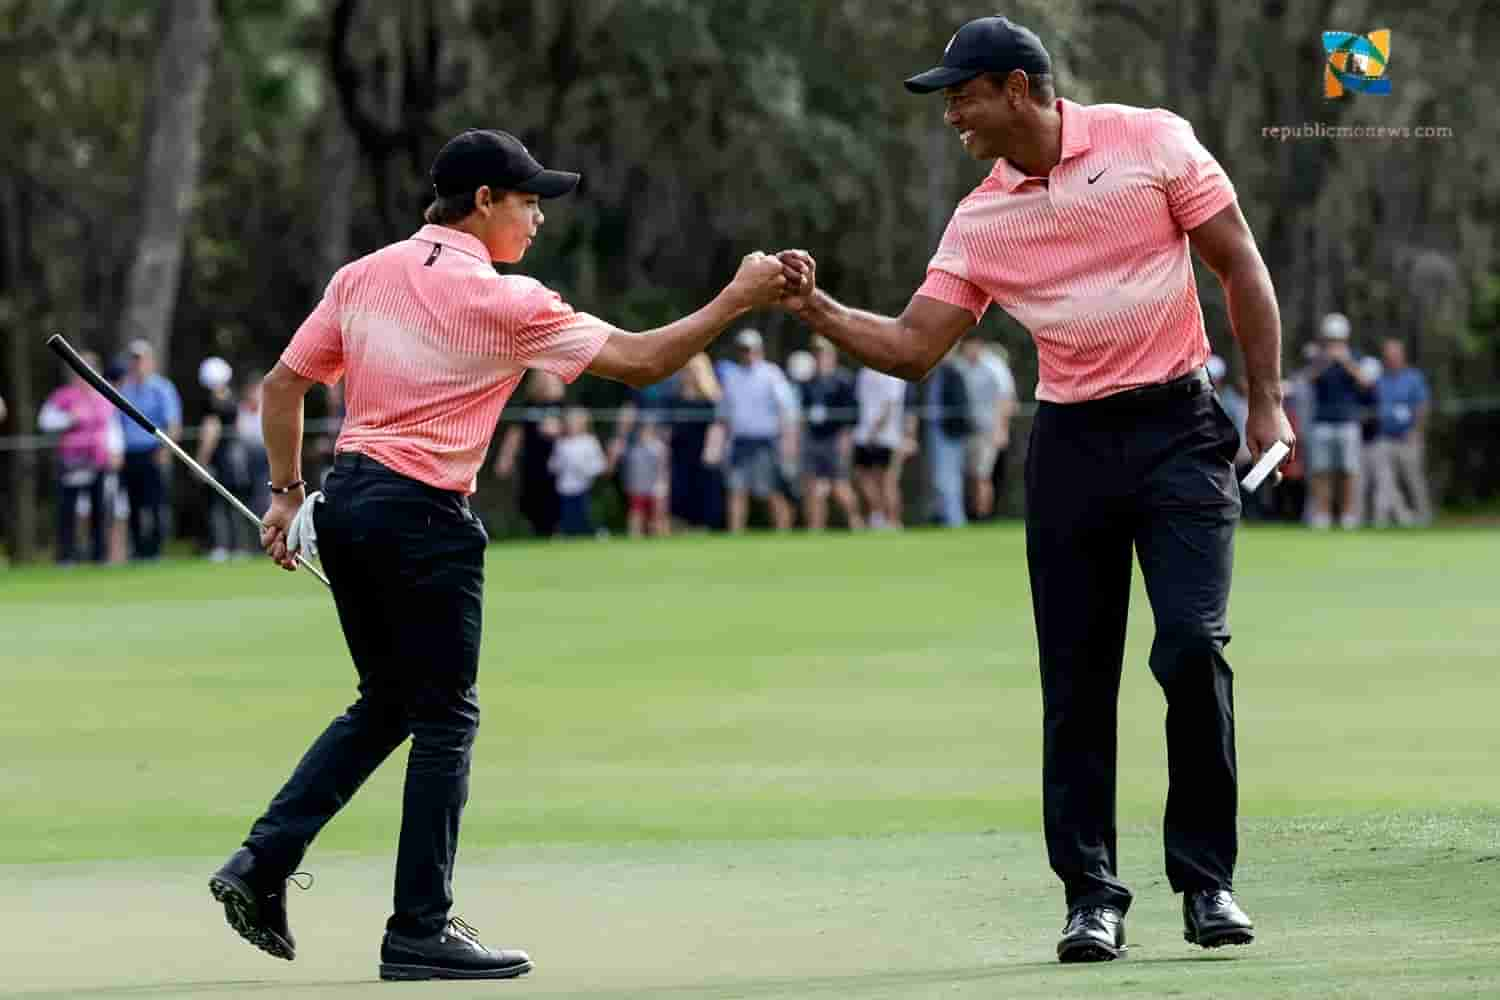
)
(984, 45)
(478, 157)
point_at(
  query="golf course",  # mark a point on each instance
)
(765, 767)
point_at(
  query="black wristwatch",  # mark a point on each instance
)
(282, 491)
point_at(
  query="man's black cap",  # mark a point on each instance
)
(984, 45)
(488, 157)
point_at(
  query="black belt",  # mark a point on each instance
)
(356, 460)
(1194, 383)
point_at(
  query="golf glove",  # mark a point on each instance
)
(302, 536)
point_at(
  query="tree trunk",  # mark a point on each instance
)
(338, 173)
(20, 395)
(171, 151)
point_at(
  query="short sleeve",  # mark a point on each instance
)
(1197, 187)
(171, 402)
(317, 348)
(554, 338)
(947, 273)
(1422, 394)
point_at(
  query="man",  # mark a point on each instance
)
(757, 410)
(989, 411)
(145, 458)
(829, 408)
(879, 437)
(1338, 386)
(949, 427)
(430, 341)
(1402, 403)
(1082, 233)
(998, 360)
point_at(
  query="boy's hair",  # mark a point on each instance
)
(446, 210)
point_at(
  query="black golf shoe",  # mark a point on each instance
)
(1211, 918)
(452, 953)
(254, 904)
(1092, 934)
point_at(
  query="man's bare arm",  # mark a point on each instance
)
(641, 359)
(907, 346)
(1226, 245)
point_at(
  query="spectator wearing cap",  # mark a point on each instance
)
(759, 415)
(1084, 231)
(224, 453)
(1402, 402)
(829, 410)
(145, 459)
(86, 420)
(1338, 386)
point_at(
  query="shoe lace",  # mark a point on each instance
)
(1083, 915)
(296, 877)
(464, 929)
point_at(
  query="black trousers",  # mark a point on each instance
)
(1151, 471)
(407, 565)
(146, 489)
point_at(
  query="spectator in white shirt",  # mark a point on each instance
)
(879, 435)
(759, 410)
(577, 460)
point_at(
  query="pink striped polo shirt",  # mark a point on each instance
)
(1093, 259)
(431, 342)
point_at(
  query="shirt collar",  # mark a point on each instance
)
(1075, 141)
(455, 238)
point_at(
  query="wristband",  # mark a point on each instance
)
(282, 491)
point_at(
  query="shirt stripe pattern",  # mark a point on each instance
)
(430, 344)
(1094, 259)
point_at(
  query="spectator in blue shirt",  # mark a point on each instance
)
(759, 409)
(145, 458)
(1401, 401)
(1339, 389)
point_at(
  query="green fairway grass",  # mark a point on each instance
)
(766, 766)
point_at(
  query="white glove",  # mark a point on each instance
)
(302, 536)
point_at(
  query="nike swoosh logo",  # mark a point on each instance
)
(1097, 176)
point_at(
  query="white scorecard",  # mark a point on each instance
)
(1273, 457)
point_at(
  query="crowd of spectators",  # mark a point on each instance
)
(720, 446)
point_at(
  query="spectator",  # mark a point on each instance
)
(1334, 436)
(758, 412)
(116, 503)
(247, 426)
(697, 447)
(1402, 404)
(145, 458)
(223, 453)
(530, 444)
(989, 414)
(1234, 397)
(83, 418)
(829, 409)
(997, 359)
(878, 435)
(645, 476)
(577, 460)
(1369, 423)
(949, 426)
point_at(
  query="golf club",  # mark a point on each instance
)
(65, 351)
